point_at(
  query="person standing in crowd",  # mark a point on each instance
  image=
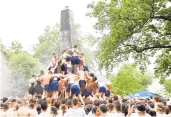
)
(75, 111)
(82, 78)
(75, 60)
(44, 112)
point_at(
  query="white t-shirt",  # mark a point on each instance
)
(44, 114)
(75, 112)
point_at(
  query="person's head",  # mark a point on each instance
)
(110, 107)
(32, 103)
(5, 99)
(94, 79)
(169, 106)
(151, 105)
(141, 108)
(81, 55)
(49, 100)
(44, 106)
(75, 101)
(5, 107)
(69, 103)
(117, 106)
(42, 72)
(53, 110)
(57, 104)
(91, 74)
(38, 109)
(75, 46)
(97, 103)
(115, 98)
(63, 108)
(167, 110)
(69, 70)
(88, 108)
(96, 111)
(156, 99)
(152, 113)
(159, 108)
(103, 109)
(110, 100)
(54, 54)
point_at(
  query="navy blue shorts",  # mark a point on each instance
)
(85, 68)
(107, 93)
(81, 82)
(75, 60)
(69, 87)
(87, 93)
(46, 87)
(53, 86)
(102, 89)
(75, 89)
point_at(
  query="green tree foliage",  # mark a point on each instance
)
(167, 85)
(24, 63)
(48, 43)
(129, 80)
(137, 28)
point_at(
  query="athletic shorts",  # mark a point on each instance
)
(81, 82)
(53, 86)
(87, 93)
(46, 87)
(63, 68)
(75, 89)
(102, 89)
(75, 60)
(86, 68)
(69, 87)
(107, 93)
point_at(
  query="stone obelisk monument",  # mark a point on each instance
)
(67, 30)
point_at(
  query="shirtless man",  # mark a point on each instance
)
(82, 78)
(92, 83)
(32, 112)
(45, 82)
(71, 78)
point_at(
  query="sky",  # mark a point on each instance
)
(25, 20)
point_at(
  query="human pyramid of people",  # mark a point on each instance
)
(69, 90)
(68, 76)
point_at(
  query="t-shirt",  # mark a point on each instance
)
(44, 114)
(75, 112)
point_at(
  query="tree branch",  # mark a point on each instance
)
(148, 48)
(162, 17)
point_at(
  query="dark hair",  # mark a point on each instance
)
(75, 46)
(69, 103)
(115, 97)
(97, 102)
(44, 106)
(156, 98)
(91, 74)
(63, 108)
(110, 106)
(141, 107)
(110, 100)
(152, 113)
(88, 108)
(124, 108)
(94, 109)
(167, 110)
(117, 105)
(4, 99)
(94, 78)
(151, 105)
(38, 109)
(103, 108)
(57, 104)
(75, 101)
(54, 110)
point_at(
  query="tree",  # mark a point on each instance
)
(24, 63)
(129, 80)
(48, 43)
(140, 29)
(167, 85)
